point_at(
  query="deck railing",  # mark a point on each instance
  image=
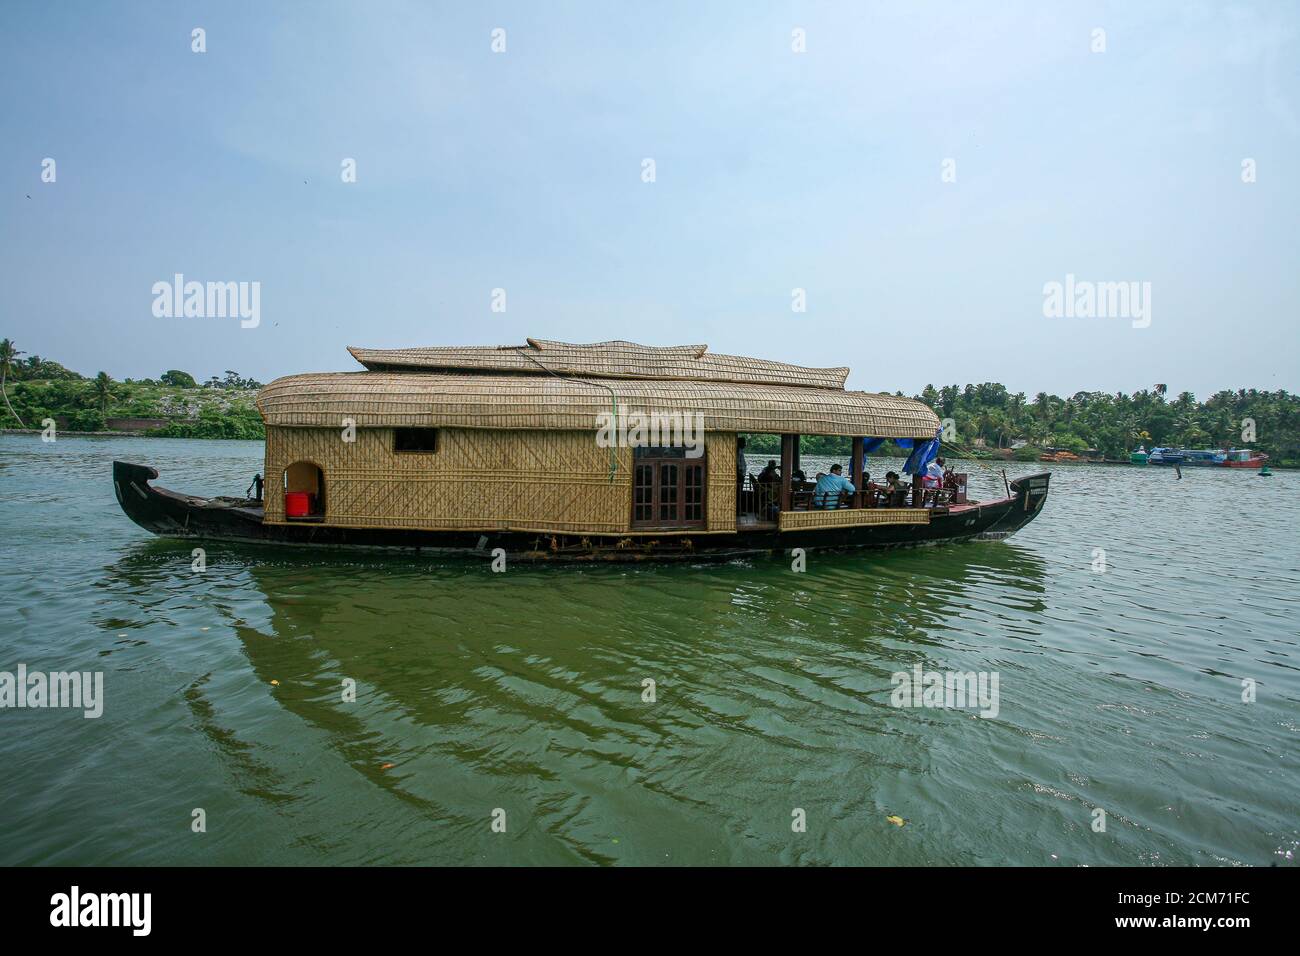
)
(760, 501)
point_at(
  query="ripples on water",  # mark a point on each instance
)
(523, 690)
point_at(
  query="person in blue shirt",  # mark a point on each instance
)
(827, 492)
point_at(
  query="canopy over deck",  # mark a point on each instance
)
(485, 400)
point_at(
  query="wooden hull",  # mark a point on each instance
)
(173, 515)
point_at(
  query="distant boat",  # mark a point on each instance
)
(1203, 457)
(1245, 458)
(1139, 457)
(1207, 457)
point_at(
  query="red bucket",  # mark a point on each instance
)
(296, 504)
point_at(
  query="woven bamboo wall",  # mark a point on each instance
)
(551, 481)
(545, 481)
(852, 518)
(721, 501)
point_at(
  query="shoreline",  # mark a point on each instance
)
(68, 433)
(64, 433)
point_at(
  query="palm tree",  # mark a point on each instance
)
(1017, 405)
(1187, 424)
(1161, 389)
(1067, 412)
(103, 391)
(1043, 407)
(7, 355)
(1132, 429)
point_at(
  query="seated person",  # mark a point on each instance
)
(895, 490)
(827, 492)
(799, 483)
(767, 487)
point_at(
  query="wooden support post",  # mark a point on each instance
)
(856, 469)
(789, 444)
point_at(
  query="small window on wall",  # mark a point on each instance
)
(416, 440)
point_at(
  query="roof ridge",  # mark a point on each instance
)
(614, 359)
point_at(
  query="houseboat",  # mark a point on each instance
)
(551, 450)
(1165, 456)
(1245, 458)
(1209, 457)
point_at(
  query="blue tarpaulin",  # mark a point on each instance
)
(922, 454)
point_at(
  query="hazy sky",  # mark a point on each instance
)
(774, 170)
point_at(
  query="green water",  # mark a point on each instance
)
(523, 691)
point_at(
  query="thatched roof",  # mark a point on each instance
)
(623, 360)
(498, 401)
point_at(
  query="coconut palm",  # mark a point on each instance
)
(1043, 407)
(7, 355)
(103, 391)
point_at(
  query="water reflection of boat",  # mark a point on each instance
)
(318, 628)
(477, 690)
(520, 449)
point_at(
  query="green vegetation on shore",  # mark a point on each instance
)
(36, 389)
(1113, 425)
(986, 417)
